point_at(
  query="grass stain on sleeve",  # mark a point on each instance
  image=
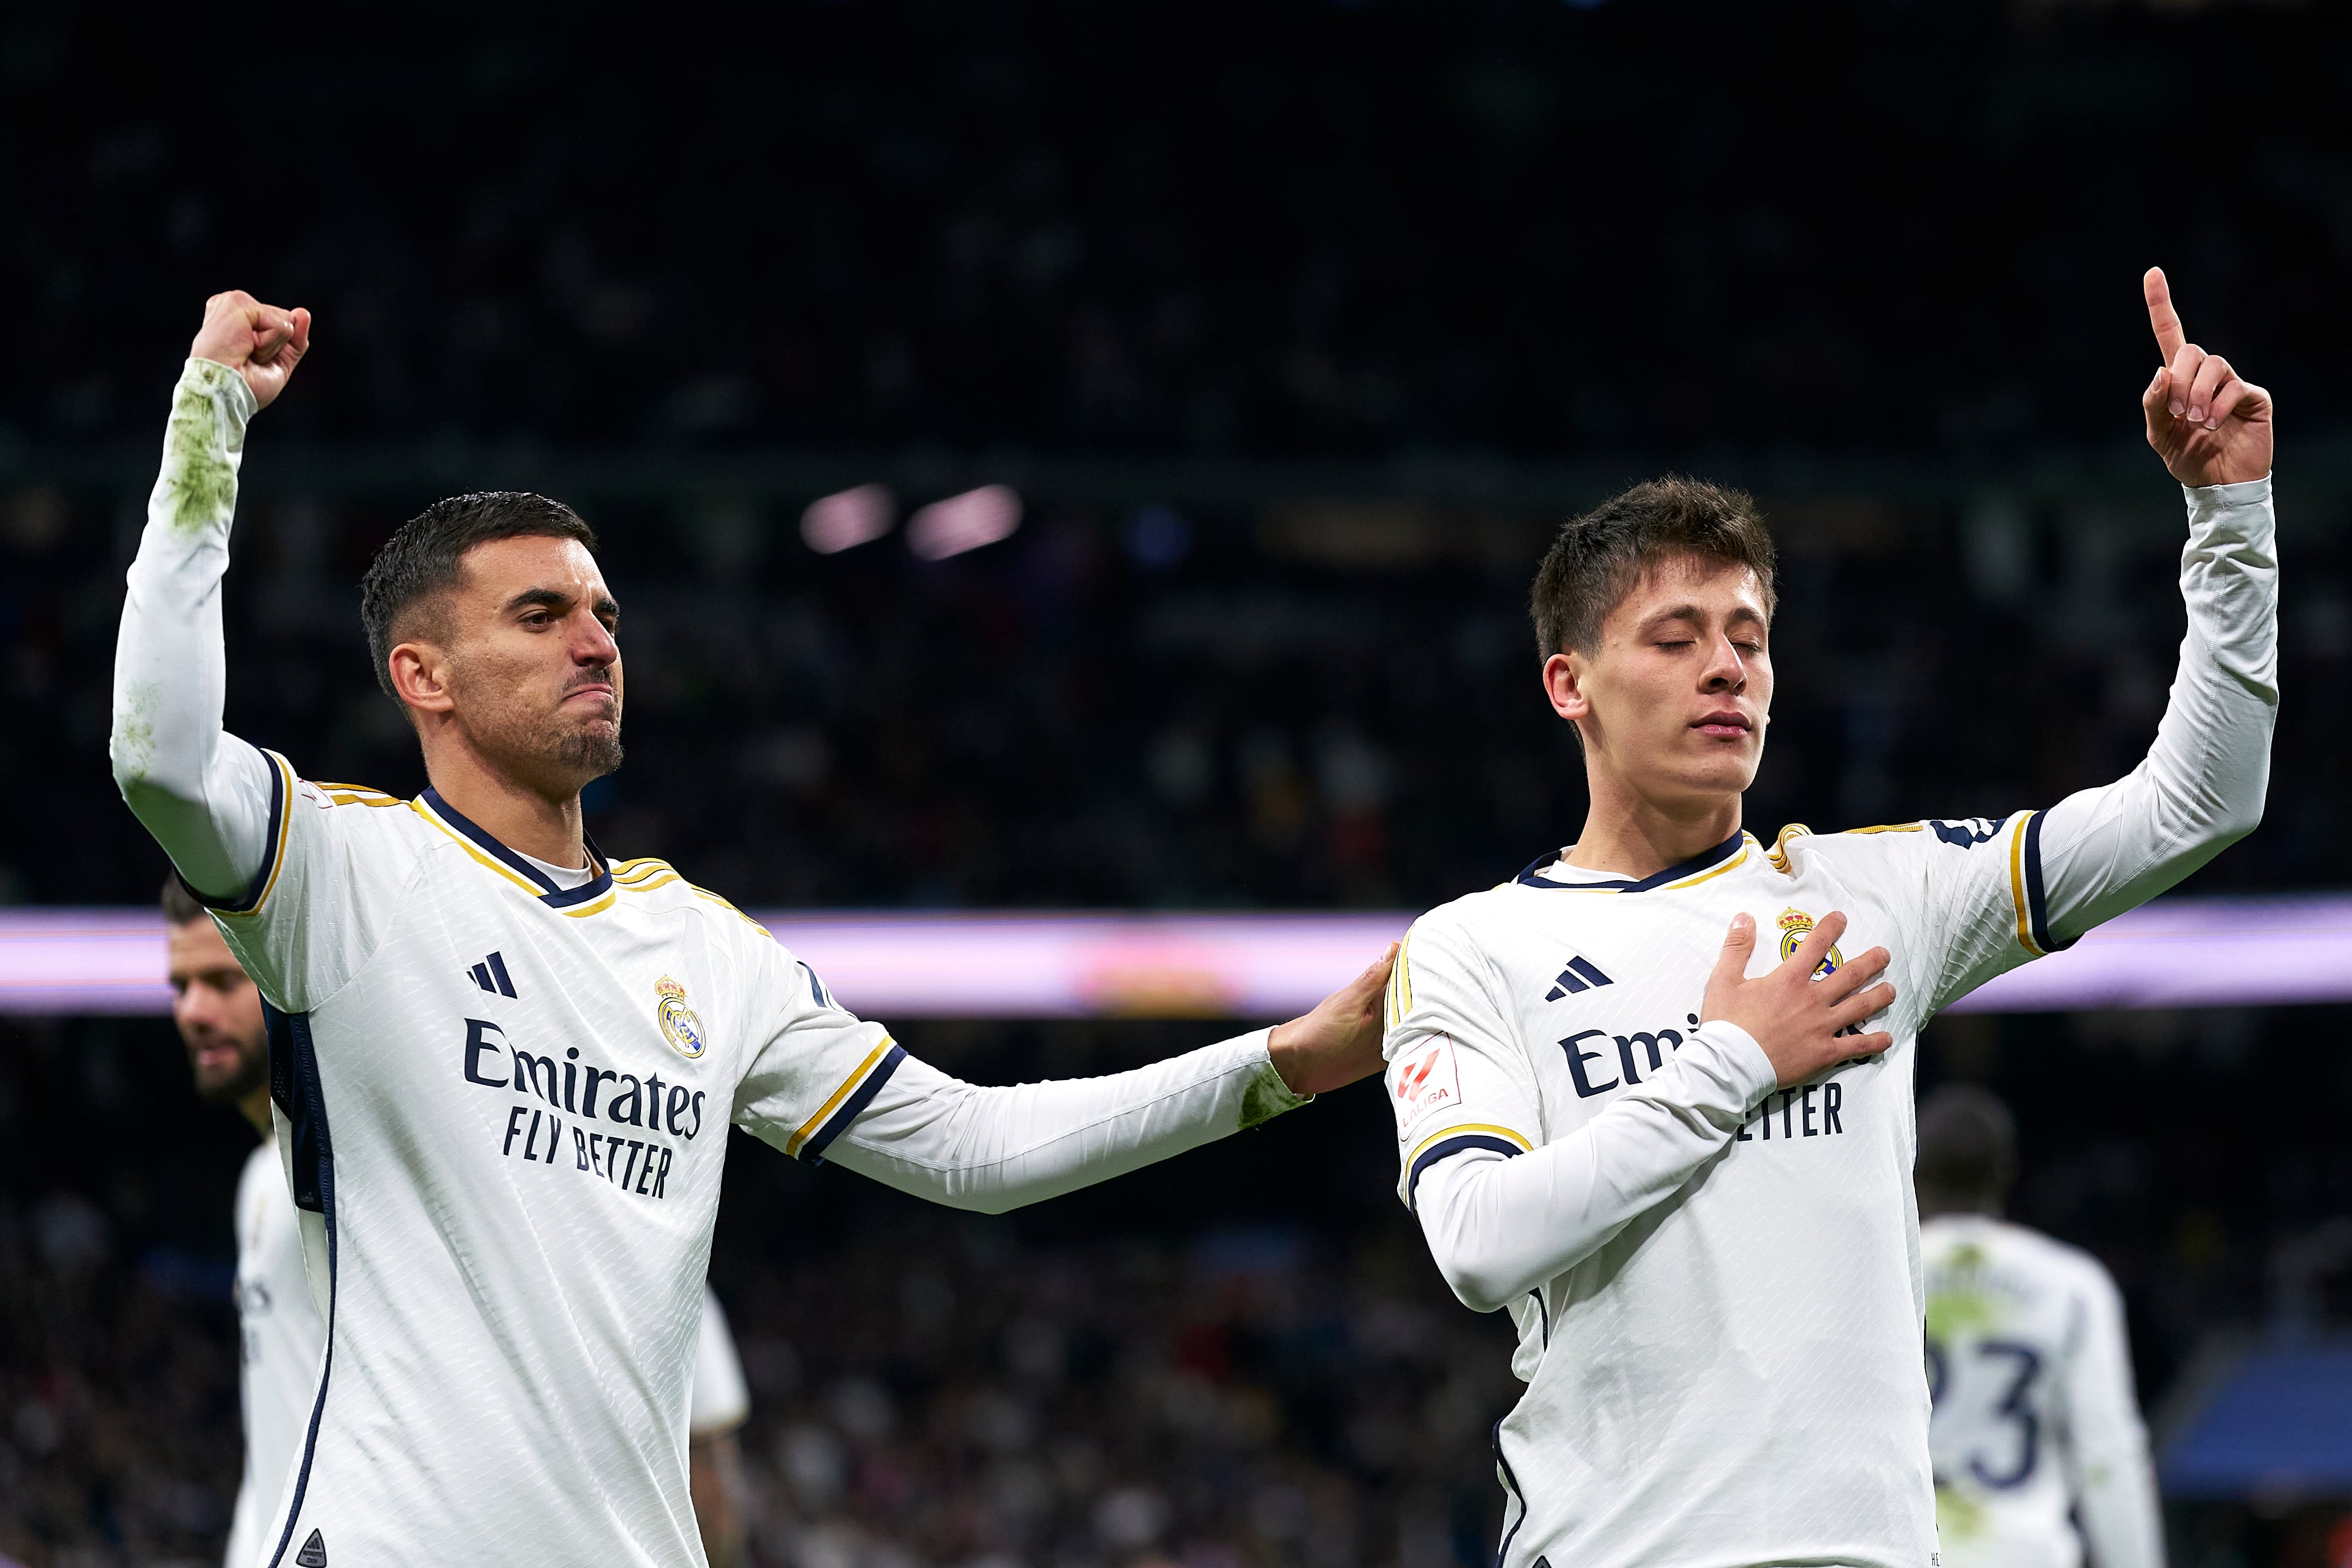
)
(133, 742)
(198, 487)
(1268, 1097)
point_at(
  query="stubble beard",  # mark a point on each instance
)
(251, 1073)
(589, 754)
(566, 752)
(548, 749)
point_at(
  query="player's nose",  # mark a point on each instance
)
(1724, 669)
(592, 643)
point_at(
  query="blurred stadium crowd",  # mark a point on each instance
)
(1499, 231)
(1515, 226)
(1164, 711)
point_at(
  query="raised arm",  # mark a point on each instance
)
(2202, 786)
(205, 795)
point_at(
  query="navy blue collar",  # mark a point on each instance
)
(1533, 877)
(554, 897)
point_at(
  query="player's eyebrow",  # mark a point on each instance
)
(1658, 618)
(606, 608)
(1741, 615)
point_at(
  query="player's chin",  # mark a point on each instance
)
(591, 748)
(1723, 768)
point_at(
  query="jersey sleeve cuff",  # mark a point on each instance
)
(228, 389)
(1745, 1069)
(1268, 1096)
(2231, 509)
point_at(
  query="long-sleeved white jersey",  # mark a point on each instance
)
(1716, 1280)
(2036, 1429)
(503, 1100)
(282, 1336)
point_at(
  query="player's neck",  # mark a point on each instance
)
(1627, 833)
(543, 826)
(255, 1107)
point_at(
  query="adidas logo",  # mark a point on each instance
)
(491, 974)
(314, 1551)
(1582, 975)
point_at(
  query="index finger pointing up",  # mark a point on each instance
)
(2160, 316)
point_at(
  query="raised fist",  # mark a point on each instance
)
(259, 343)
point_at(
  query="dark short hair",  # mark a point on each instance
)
(180, 906)
(1596, 558)
(421, 560)
(1968, 1150)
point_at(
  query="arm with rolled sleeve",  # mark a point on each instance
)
(1503, 1210)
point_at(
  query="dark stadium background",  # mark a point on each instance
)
(1296, 325)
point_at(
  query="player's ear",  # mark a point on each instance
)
(1563, 679)
(420, 675)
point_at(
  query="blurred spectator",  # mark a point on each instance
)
(1051, 721)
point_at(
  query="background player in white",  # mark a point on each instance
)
(279, 1331)
(503, 1067)
(1692, 1189)
(2036, 1428)
(722, 1404)
(218, 1011)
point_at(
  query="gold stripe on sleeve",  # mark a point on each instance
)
(285, 827)
(2017, 882)
(1457, 1130)
(848, 1087)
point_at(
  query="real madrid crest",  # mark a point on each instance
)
(679, 1024)
(1795, 926)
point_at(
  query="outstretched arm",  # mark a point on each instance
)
(2201, 786)
(204, 794)
(993, 1149)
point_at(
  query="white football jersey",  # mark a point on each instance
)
(2035, 1422)
(1734, 1376)
(280, 1336)
(507, 1231)
(503, 1091)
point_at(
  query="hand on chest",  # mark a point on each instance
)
(1604, 1003)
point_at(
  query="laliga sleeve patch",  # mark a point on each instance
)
(1425, 1080)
